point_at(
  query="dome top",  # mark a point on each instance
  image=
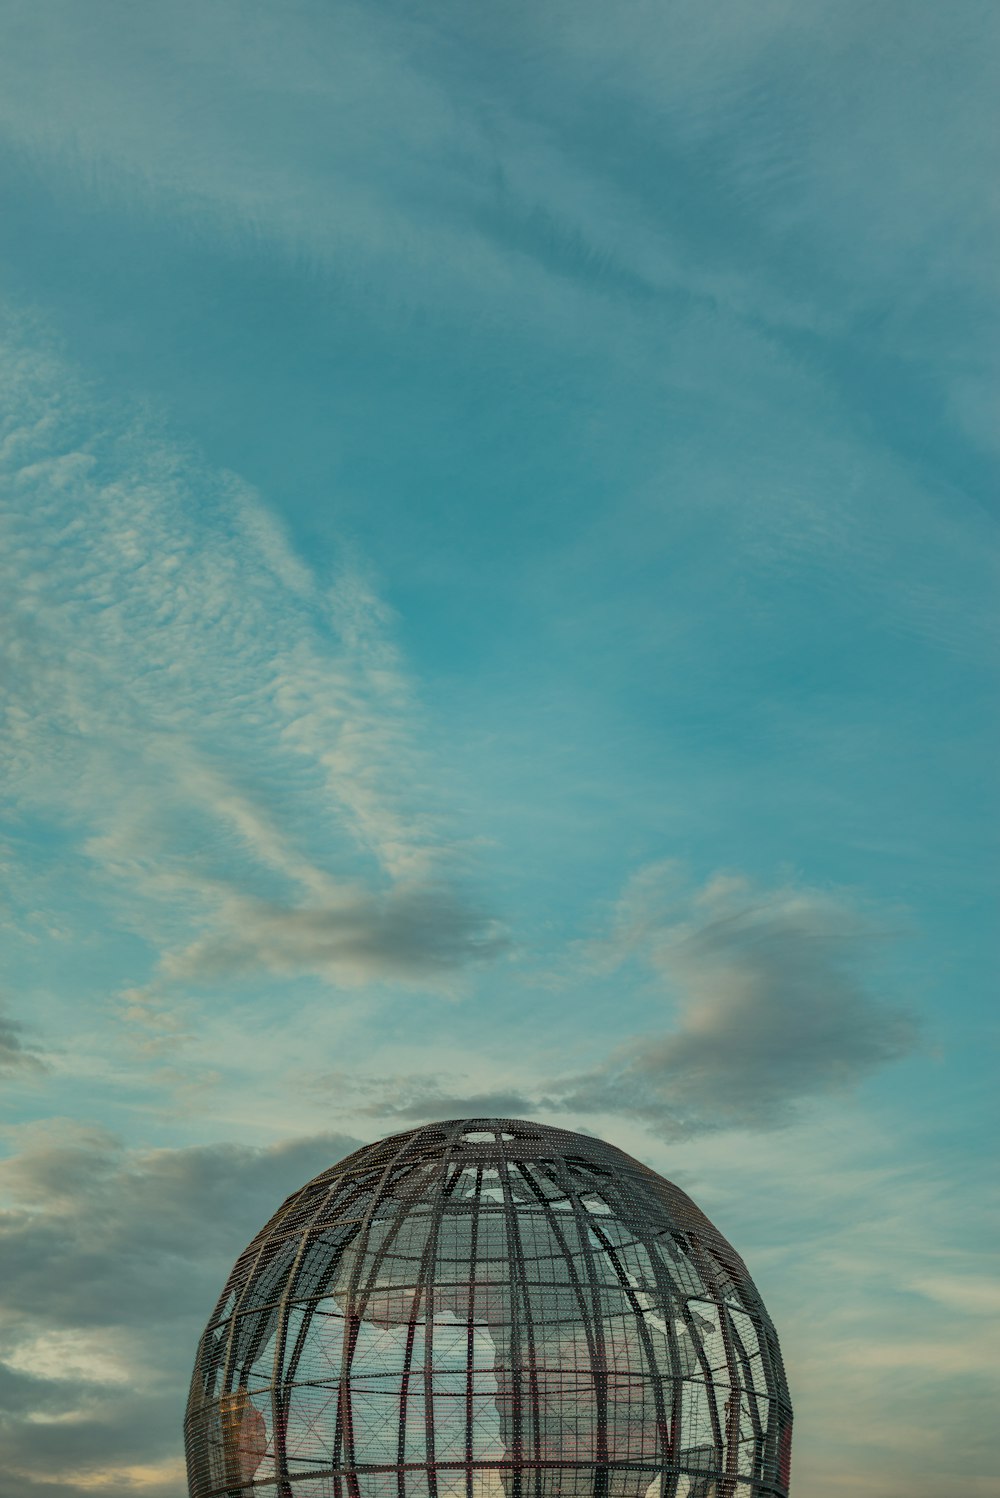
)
(459, 1142)
(489, 1308)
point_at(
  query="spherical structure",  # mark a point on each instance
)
(489, 1308)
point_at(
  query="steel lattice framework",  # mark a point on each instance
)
(489, 1308)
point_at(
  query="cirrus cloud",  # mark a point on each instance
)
(230, 743)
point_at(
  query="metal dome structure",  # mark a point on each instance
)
(489, 1308)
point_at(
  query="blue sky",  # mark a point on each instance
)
(499, 602)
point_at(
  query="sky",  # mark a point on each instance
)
(499, 616)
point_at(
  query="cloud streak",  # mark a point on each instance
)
(672, 87)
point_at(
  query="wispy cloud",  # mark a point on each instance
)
(232, 741)
(777, 107)
(479, 204)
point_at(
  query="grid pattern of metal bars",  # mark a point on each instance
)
(489, 1308)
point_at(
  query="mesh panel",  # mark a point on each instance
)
(489, 1309)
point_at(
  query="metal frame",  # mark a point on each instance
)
(489, 1308)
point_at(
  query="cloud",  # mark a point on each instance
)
(99, 1235)
(412, 932)
(775, 1004)
(542, 173)
(230, 742)
(422, 1098)
(111, 1260)
(972, 1295)
(17, 1057)
(775, 1007)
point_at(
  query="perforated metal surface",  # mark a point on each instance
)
(489, 1308)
